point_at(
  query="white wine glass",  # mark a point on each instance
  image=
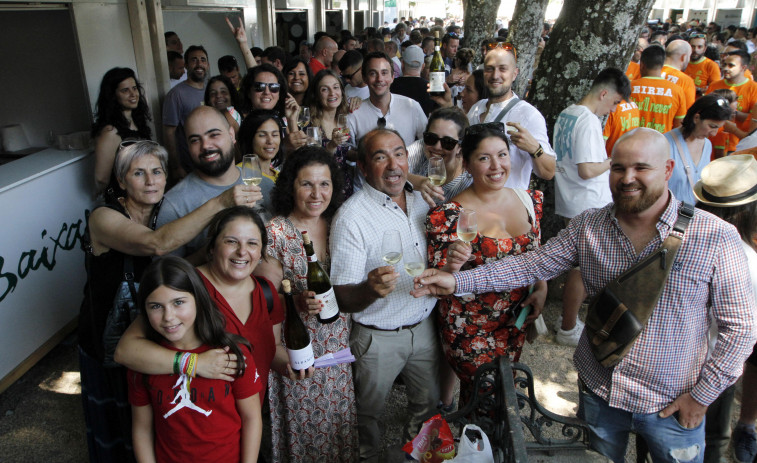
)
(341, 124)
(304, 119)
(391, 247)
(467, 225)
(251, 174)
(313, 136)
(414, 264)
(437, 171)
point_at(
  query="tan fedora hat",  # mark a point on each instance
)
(728, 182)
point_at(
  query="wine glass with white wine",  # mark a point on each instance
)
(391, 247)
(414, 263)
(341, 124)
(251, 174)
(304, 119)
(437, 171)
(467, 225)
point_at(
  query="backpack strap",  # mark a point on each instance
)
(507, 108)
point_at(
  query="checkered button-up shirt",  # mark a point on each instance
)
(355, 245)
(709, 277)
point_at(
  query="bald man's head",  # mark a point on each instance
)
(677, 54)
(210, 139)
(640, 170)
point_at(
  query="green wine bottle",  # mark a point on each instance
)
(296, 336)
(318, 281)
(437, 73)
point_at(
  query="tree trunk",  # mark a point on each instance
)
(587, 37)
(524, 33)
(479, 18)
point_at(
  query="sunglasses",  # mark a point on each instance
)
(479, 128)
(350, 76)
(128, 142)
(259, 87)
(507, 46)
(448, 143)
(697, 35)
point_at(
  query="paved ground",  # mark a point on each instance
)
(41, 416)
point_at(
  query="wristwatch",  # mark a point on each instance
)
(537, 153)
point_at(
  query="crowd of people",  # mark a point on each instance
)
(346, 135)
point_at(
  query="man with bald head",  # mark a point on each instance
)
(211, 149)
(323, 54)
(661, 389)
(529, 144)
(677, 55)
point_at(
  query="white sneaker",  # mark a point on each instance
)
(570, 337)
(558, 324)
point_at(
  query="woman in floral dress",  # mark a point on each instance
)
(314, 419)
(476, 329)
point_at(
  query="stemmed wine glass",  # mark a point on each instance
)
(391, 247)
(251, 173)
(437, 171)
(304, 119)
(341, 124)
(414, 264)
(467, 225)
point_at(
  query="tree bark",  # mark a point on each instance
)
(480, 17)
(524, 33)
(587, 37)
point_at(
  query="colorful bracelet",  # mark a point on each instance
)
(177, 363)
(192, 365)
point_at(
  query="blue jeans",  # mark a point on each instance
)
(668, 441)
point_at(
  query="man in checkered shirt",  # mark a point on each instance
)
(662, 388)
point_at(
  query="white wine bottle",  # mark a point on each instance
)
(296, 336)
(437, 74)
(318, 281)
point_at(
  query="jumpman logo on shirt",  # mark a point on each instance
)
(183, 398)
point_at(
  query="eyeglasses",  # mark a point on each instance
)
(381, 122)
(478, 128)
(132, 141)
(448, 143)
(259, 87)
(350, 76)
(507, 46)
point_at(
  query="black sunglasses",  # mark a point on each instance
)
(381, 122)
(448, 143)
(259, 87)
(350, 76)
(478, 128)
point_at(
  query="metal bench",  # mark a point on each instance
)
(504, 404)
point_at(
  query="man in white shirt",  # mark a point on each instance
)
(392, 333)
(351, 67)
(582, 175)
(529, 143)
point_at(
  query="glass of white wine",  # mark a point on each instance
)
(341, 124)
(391, 247)
(467, 225)
(304, 119)
(251, 174)
(414, 264)
(437, 171)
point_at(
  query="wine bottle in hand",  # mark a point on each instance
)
(296, 336)
(437, 74)
(318, 281)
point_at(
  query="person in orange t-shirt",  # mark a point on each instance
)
(676, 58)
(624, 119)
(701, 69)
(734, 67)
(662, 104)
(721, 139)
(633, 72)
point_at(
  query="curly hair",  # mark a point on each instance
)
(313, 97)
(210, 324)
(249, 80)
(109, 112)
(233, 94)
(282, 196)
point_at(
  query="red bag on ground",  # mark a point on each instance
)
(434, 443)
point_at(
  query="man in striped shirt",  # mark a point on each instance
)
(662, 387)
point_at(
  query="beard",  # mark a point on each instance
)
(499, 92)
(694, 57)
(196, 76)
(218, 167)
(638, 204)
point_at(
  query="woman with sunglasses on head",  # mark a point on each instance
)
(689, 146)
(477, 329)
(221, 94)
(327, 102)
(121, 114)
(122, 233)
(442, 137)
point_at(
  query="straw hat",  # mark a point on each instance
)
(728, 182)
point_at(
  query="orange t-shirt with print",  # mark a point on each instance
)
(746, 97)
(624, 119)
(703, 72)
(660, 102)
(633, 72)
(682, 80)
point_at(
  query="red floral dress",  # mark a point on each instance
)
(475, 328)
